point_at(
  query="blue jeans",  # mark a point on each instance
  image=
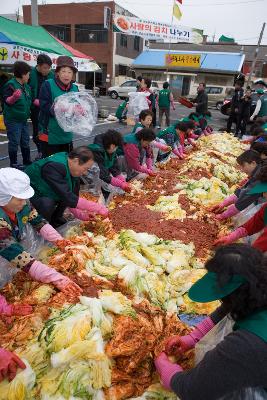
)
(18, 135)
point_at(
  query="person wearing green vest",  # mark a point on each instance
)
(38, 75)
(121, 111)
(15, 214)
(261, 105)
(235, 363)
(165, 100)
(137, 149)
(52, 137)
(257, 223)
(104, 149)
(145, 121)
(56, 183)
(17, 99)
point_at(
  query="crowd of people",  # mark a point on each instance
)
(236, 274)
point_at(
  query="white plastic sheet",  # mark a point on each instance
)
(76, 112)
(137, 103)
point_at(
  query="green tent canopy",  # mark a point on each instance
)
(30, 36)
(226, 39)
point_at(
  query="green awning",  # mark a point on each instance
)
(226, 39)
(30, 36)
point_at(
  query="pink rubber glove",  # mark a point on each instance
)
(149, 163)
(180, 344)
(166, 370)
(193, 136)
(121, 184)
(36, 103)
(50, 234)
(121, 178)
(15, 96)
(192, 142)
(179, 153)
(161, 146)
(92, 207)
(230, 212)
(232, 237)
(225, 203)
(42, 273)
(9, 362)
(14, 309)
(83, 215)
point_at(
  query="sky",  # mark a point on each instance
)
(240, 19)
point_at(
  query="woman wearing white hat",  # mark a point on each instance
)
(15, 189)
(15, 213)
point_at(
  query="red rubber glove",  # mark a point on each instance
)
(9, 362)
(92, 207)
(15, 96)
(180, 344)
(151, 173)
(14, 309)
(230, 212)
(36, 103)
(121, 184)
(232, 237)
(166, 370)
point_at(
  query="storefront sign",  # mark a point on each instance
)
(183, 60)
(10, 53)
(152, 30)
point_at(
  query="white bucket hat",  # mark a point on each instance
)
(14, 183)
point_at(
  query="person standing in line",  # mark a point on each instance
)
(145, 87)
(38, 75)
(261, 106)
(17, 101)
(165, 100)
(245, 112)
(52, 137)
(235, 108)
(138, 83)
(201, 101)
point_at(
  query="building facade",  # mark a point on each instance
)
(85, 28)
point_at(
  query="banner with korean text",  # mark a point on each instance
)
(9, 53)
(183, 60)
(152, 30)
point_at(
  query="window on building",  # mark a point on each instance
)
(123, 40)
(122, 69)
(137, 43)
(89, 33)
(62, 32)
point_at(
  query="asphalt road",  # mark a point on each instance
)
(218, 122)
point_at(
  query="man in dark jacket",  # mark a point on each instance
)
(201, 101)
(235, 108)
(38, 75)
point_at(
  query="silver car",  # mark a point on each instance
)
(125, 88)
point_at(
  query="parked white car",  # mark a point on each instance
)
(125, 88)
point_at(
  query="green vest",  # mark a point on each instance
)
(56, 135)
(33, 81)
(120, 110)
(255, 323)
(169, 130)
(20, 110)
(263, 109)
(41, 188)
(22, 218)
(164, 98)
(109, 159)
(138, 125)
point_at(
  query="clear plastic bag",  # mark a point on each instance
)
(250, 393)
(214, 337)
(76, 112)
(244, 216)
(137, 103)
(92, 180)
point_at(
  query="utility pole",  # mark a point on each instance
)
(256, 54)
(34, 12)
